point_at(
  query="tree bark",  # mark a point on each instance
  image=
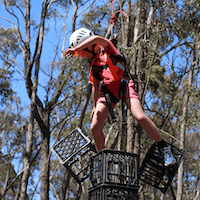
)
(65, 185)
(29, 142)
(44, 173)
(74, 16)
(43, 119)
(130, 132)
(139, 61)
(85, 104)
(184, 124)
(28, 150)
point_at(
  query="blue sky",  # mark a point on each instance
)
(50, 40)
(18, 83)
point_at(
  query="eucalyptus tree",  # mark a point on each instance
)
(189, 19)
(8, 47)
(51, 83)
(154, 30)
(160, 34)
(11, 121)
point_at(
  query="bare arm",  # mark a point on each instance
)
(98, 40)
(93, 40)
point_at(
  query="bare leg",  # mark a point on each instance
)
(151, 129)
(148, 125)
(100, 115)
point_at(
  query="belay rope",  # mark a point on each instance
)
(113, 18)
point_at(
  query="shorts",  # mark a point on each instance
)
(129, 93)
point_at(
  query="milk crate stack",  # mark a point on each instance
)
(113, 175)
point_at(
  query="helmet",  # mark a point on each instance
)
(79, 36)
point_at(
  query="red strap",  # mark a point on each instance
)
(113, 19)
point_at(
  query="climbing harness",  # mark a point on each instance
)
(111, 98)
(116, 64)
(116, 61)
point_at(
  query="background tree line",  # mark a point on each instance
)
(160, 40)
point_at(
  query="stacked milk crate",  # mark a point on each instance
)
(113, 175)
(153, 170)
(74, 152)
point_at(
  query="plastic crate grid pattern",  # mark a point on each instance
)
(78, 165)
(153, 170)
(110, 166)
(74, 153)
(69, 146)
(113, 192)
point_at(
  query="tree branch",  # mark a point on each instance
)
(19, 34)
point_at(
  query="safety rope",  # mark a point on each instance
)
(113, 18)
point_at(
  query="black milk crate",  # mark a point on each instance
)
(154, 172)
(113, 192)
(74, 153)
(111, 166)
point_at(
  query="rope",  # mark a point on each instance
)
(113, 18)
(170, 135)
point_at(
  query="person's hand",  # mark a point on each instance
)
(92, 113)
(68, 53)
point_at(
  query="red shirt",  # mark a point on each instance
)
(109, 76)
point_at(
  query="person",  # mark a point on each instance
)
(103, 69)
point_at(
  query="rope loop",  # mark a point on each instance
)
(113, 18)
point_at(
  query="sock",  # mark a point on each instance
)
(162, 144)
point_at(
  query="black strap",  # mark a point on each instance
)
(86, 49)
(96, 71)
(122, 90)
(109, 99)
(120, 57)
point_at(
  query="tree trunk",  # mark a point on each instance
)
(140, 60)
(45, 158)
(32, 94)
(122, 132)
(65, 185)
(74, 16)
(127, 38)
(130, 132)
(28, 150)
(184, 125)
(85, 104)
(29, 142)
(130, 122)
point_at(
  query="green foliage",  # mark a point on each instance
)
(13, 129)
(97, 19)
(172, 23)
(8, 45)
(6, 91)
(157, 78)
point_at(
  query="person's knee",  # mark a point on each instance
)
(95, 127)
(142, 119)
(92, 128)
